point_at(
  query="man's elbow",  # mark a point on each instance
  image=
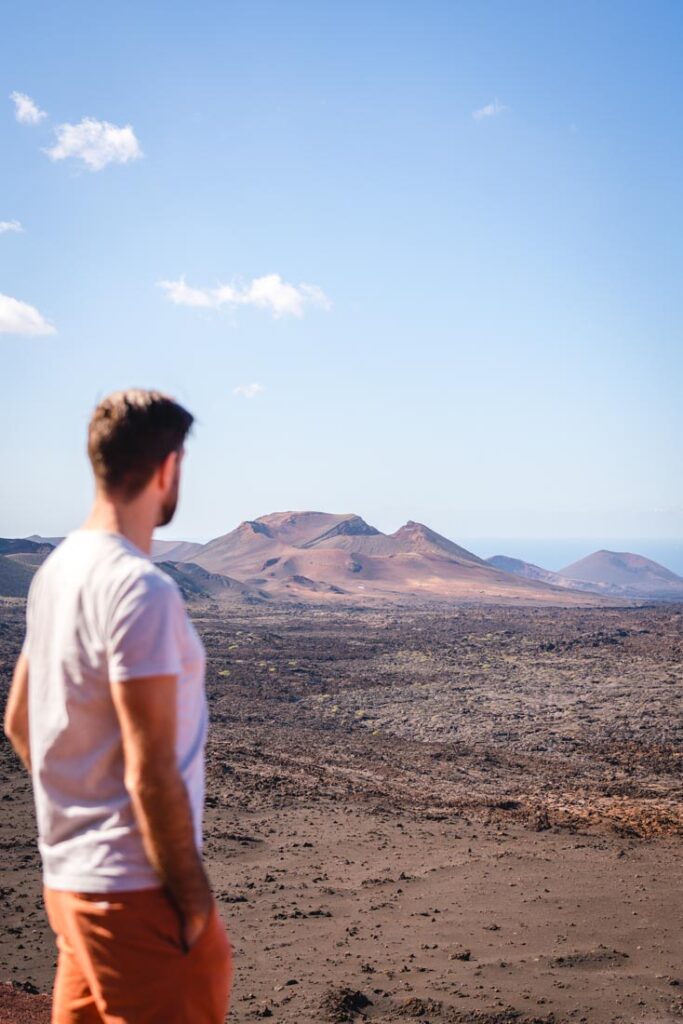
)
(17, 734)
(13, 727)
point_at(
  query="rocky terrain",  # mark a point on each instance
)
(443, 815)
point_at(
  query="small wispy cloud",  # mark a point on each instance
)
(248, 390)
(95, 143)
(491, 109)
(18, 317)
(10, 225)
(25, 110)
(267, 292)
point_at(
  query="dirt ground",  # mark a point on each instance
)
(448, 815)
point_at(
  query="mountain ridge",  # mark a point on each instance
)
(297, 554)
(312, 556)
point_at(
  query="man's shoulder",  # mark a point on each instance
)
(108, 567)
(136, 576)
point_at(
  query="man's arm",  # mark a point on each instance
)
(146, 710)
(16, 712)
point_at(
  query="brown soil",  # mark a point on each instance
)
(445, 816)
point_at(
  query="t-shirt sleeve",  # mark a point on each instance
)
(143, 632)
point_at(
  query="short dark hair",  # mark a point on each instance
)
(130, 434)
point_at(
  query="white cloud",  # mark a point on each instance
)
(490, 110)
(19, 318)
(248, 390)
(267, 292)
(271, 292)
(182, 295)
(96, 143)
(9, 225)
(25, 110)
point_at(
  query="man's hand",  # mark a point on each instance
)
(16, 712)
(146, 710)
(194, 926)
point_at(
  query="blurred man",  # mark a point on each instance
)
(108, 712)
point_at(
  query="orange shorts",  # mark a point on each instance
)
(121, 961)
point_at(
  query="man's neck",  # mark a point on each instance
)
(129, 520)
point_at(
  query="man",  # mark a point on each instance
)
(107, 710)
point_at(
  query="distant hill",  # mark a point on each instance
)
(174, 550)
(534, 572)
(526, 569)
(15, 578)
(52, 541)
(19, 559)
(169, 550)
(25, 546)
(318, 556)
(197, 584)
(604, 573)
(629, 574)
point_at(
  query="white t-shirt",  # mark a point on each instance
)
(99, 612)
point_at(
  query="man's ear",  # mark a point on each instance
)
(167, 470)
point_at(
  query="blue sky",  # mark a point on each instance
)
(492, 338)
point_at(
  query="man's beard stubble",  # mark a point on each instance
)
(170, 504)
(168, 510)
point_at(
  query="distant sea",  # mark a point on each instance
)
(556, 554)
